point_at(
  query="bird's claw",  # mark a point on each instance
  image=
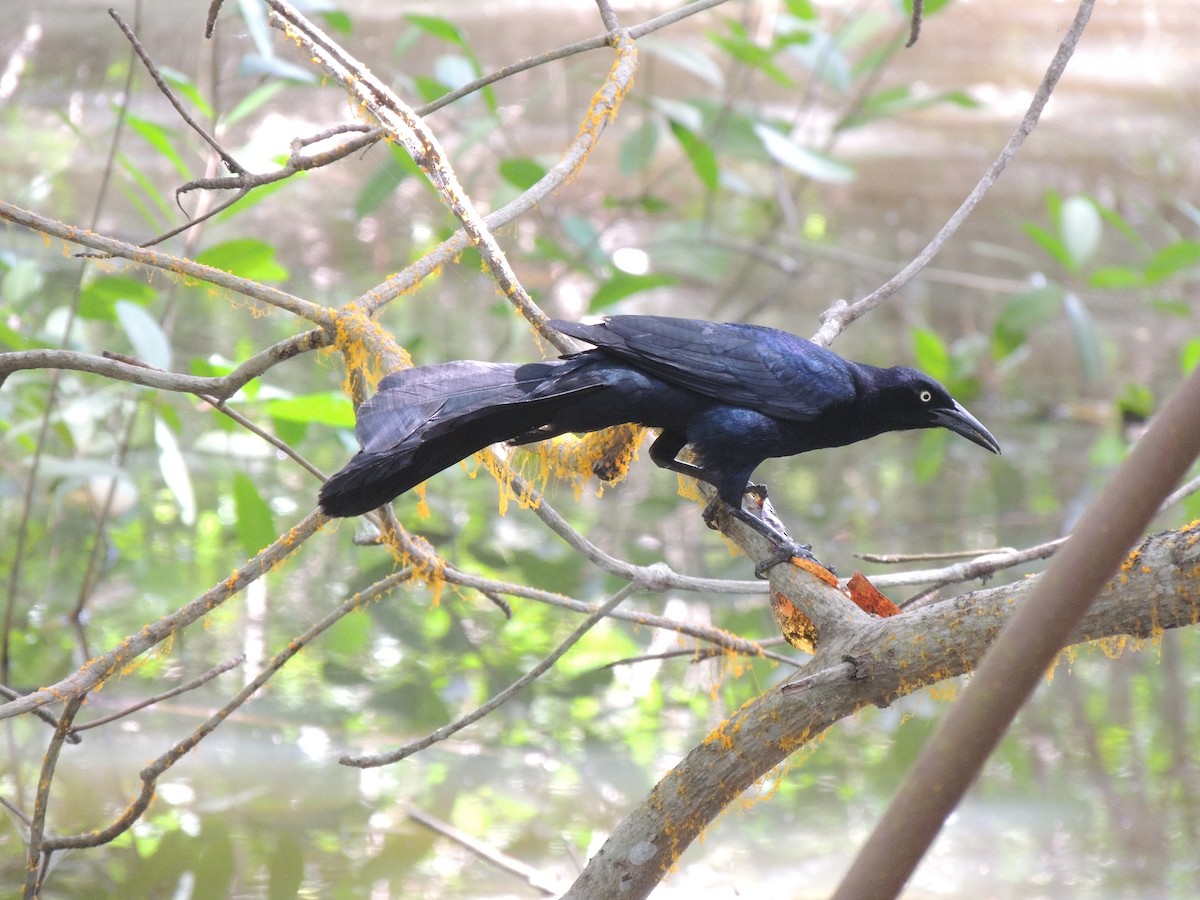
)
(785, 553)
(757, 491)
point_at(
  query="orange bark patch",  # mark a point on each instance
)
(867, 597)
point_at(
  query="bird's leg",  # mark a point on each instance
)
(786, 548)
(662, 453)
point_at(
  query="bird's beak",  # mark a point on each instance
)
(962, 422)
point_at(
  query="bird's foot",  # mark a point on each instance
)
(769, 526)
(710, 512)
(757, 491)
(786, 552)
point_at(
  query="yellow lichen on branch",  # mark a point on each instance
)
(365, 345)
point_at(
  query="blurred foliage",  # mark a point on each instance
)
(717, 193)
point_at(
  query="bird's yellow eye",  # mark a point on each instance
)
(925, 396)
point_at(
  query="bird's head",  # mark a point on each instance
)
(906, 398)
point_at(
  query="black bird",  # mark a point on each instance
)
(737, 394)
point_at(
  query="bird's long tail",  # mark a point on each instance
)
(426, 419)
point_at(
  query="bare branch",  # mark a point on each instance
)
(178, 265)
(952, 758)
(383, 759)
(835, 319)
(95, 671)
(35, 869)
(208, 676)
(152, 772)
(134, 371)
(550, 885)
(410, 131)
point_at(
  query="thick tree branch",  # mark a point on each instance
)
(874, 663)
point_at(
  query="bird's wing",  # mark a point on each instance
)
(759, 368)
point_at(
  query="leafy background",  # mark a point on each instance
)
(769, 160)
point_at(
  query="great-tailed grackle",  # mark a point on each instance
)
(737, 394)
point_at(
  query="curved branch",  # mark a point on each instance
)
(219, 388)
(835, 319)
(602, 611)
(151, 773)
(179, 265)
(411, 132)
(96, 670)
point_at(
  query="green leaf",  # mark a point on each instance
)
(1021, 315)
(11, 339)
(1050, 243)
(245, 257)
(326, 408)
(253, 101)
(1189, 355)
(22, 281)
(254, 525)
(1080, 226)
(623, 284)
(438, 27)
(1171, 259)
(1136, 400)
(1108, 450)
(897, 100)
(582, 233)
(931, 454)
(98, 299)
(274, 67)
(818, 52)
(167, 211)
(522, 172)
(699, 154)
(383, 182)
(743, 49)
(185, 87)
(429, 89)
(337, 20)
(687, 56)
(786, 152)
(637, 149)
(931, 354)
(158, 138)
(1116, 277)
(146, 336)
(928, 8)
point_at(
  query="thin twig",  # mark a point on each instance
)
(152, 772)
(383, 759)
(835, 319)
(166, 695)
(165, 89)
(176, 265)
(548, 884)
(915, 29)
(96, 670)
(38, 850)
(134, 371)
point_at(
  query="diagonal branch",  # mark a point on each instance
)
(383, 759)
(882, 660)
(835, 319)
